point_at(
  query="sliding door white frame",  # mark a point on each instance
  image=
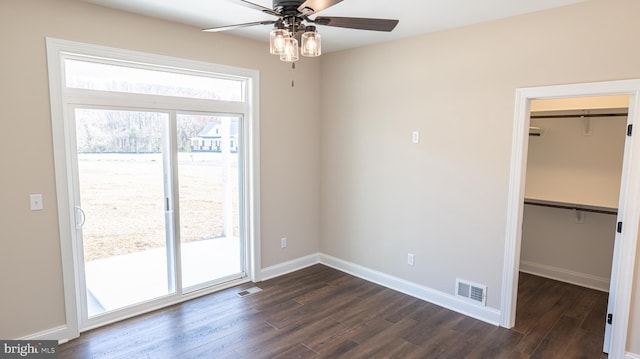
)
(63, 99)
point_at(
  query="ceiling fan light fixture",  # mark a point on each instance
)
(291, 50)
(291, 27)
(277, 41)
(311, 43)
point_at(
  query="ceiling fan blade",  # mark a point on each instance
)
(313, 6)
(239, 26)
(357, 23)
(265, 10)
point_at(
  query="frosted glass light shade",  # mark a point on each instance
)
(311, 44)
(291, 51)
(277, 41)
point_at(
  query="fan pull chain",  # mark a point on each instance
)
(293, 74)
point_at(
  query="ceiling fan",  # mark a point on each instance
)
(293, 25)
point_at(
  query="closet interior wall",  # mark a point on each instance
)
(575, 162)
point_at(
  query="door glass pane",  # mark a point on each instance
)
(209, 175)
(122, 196)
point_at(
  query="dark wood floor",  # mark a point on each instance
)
(320, 312)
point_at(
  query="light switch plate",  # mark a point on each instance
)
(415, 137)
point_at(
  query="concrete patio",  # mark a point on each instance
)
(120, 281)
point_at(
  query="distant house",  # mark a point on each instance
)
(210, 139)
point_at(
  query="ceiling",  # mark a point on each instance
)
(416, 16)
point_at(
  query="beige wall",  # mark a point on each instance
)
(555, 246)
(565, 166)
(351, 174)
(31, 299)
(445, 199)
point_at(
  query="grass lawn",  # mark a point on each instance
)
(123, 198)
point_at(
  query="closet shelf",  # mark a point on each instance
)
(572, 206)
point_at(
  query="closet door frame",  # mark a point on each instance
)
(629, 210)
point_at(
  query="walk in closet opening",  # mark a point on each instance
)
(572, 189)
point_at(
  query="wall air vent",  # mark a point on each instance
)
(471, 292)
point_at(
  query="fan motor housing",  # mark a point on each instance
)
(287, 7)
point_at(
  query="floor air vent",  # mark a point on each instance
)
(249, 291)
(471, 292)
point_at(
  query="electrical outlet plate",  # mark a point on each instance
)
(35, 201)
(410, 259)
(283, 242)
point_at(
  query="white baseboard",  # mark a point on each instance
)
(631, 356)
(564, 275)
(442, 299)
(50, 334)
(290, 266)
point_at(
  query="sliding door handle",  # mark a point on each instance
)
(80, 217)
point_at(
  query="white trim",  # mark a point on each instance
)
(252, 182)
(50, 334)
(626, 242)
(58, 49)
(164, 303)
(290, 266)
(631, 356)
(449, 301)
(629, 210)
(137, 57)
(514, 213)
(565, 275)
(61, 333)
(62, 172)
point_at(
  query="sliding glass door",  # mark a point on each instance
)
(150, 156)
(121, 208)
(131, 189)
(209, 155)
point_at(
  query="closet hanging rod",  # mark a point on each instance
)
(581, 116)
(602, 211)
